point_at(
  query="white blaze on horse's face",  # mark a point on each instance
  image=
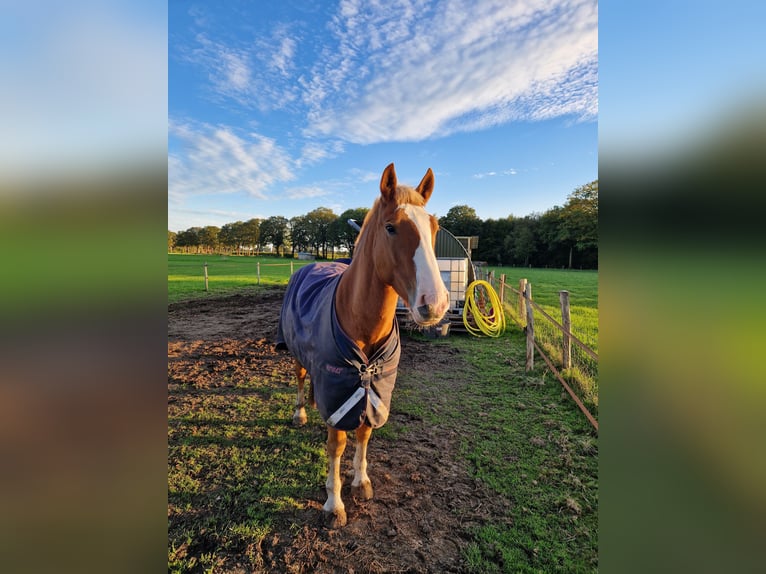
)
(431, 299)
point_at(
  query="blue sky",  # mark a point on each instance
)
(672, 74)
(276, 108)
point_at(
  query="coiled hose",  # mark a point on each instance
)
(485, 308)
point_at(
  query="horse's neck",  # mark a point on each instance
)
(365, 306)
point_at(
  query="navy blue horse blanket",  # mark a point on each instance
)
(349, 388)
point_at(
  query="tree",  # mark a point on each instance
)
(251, 233)
(208, 237)
(491, 247)
(579, 227)
(300, 235)
(171, 240)
(274, 231)
(461, 220)
(234, 236)
(189, 238)
(345, 235)
(229, 235)
(319, 221)
(522, 242)
(553, 250)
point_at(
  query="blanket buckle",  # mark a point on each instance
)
(367, 374)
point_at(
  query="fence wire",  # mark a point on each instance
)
(549, 334)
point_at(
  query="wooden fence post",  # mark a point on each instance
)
(205, 275)
(566, 322)
(522, 307)
(501, 293)
(258, 266)
(291, 268)
(530, 328)
(490, 277)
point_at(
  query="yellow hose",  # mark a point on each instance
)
(486, 310)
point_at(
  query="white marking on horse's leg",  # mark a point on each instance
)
(361, 487)
(299, 417)
(335, 511)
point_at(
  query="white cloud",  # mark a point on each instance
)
(405, 70)
(363, 176)
(254, 74)
(314, 152)
(236, 70)
(410, 71)
(216, 159)
(512, 171)
(229, 69)
(282, 58)
(305, 192)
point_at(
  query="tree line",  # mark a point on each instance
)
(563, 236)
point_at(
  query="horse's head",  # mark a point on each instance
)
(402, 236)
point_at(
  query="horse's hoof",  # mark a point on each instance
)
(335, 519)
(363, 491)
(300, 419)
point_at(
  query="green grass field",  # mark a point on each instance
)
(537, 450)
(546, 284)
(583, 302)
(226, 274)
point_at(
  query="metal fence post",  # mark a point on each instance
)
(258, 266)
(205, 275)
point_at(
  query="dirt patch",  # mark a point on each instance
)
(425, 500)
(241, 316)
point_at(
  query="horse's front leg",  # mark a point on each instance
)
(361, 487)
(299, 417)
(334, 510)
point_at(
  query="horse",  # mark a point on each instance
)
(338, 320)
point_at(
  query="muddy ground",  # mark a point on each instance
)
(425, 498)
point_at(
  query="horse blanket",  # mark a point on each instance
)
(349, 387)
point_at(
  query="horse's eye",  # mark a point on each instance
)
(390, 229)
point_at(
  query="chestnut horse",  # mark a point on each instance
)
(339, 322)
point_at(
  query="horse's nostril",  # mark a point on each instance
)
(426, 310)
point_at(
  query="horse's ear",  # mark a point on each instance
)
(388, 182)
(426, 185)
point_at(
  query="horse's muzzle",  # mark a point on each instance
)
(427, 315)
(428, 308)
